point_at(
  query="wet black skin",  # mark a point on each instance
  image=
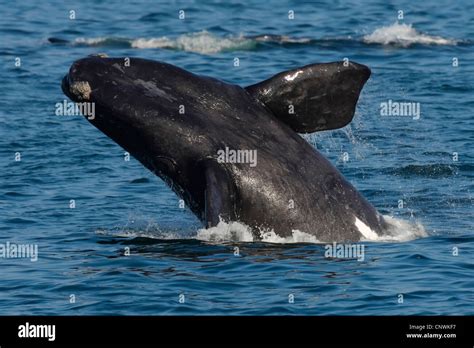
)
(138, 106)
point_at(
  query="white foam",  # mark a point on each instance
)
(90, 41)
(226, 232)
(202, 42)
(401, 230)
(199, 42)
(404, 35)
(159, 42)
(398, 231)
(296, 237)
(281, 39)
(238, 232)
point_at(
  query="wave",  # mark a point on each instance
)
(404, 35)
(201, 42)
(204, 42)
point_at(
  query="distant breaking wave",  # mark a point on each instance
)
(404, 35)
(203, 42)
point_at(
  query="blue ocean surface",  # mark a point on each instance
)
(112, 238)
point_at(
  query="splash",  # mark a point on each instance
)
(239, 232)
(404, 35)
(399, 231)
(226, 232)
(235, 231)
(297, 236)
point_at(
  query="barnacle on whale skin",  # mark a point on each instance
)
(81, 89)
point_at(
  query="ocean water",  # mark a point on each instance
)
(418, 171)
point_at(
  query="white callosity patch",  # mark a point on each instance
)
(404, 35)
(291, 77)
(365, 230)
(81, 89)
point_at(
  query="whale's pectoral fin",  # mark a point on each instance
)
(219, 195)
(314, 97)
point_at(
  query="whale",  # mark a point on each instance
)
(235, 153)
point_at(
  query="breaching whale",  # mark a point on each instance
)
(198, 133)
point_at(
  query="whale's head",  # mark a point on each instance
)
(169, 119)
(144, 106)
